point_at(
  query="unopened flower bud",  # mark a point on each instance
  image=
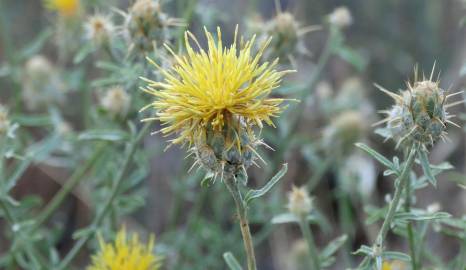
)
(299, 202)
(99, 29)
(419, 113)
(116, 101)
(341, 17)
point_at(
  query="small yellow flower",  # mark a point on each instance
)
(66, 8)
(125, 254)
(215, 89)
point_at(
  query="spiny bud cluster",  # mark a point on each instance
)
(226, 153)
(299, 202)
(419, 114)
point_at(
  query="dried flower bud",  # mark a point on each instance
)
(419, 114)
(299, 202)
(344, 130)
(99, 29)
(116, 101)
(41, 83)
(341, 17)
(4, 121)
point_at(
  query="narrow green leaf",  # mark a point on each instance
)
(36, 45)
(231, 261)
(254, 194)
(394, 255)
(426, 167)
(421, 216)
(105, 135)
(284, 218)
(333, 246)
(379, 157)
(83, 53)
(364, 250)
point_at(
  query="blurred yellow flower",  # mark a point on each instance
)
(393, 265)
(213, 89)
(66, 8)
(125, 254)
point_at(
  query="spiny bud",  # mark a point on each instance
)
(99, 29)
(4, 121)
(219, 153)
(344, 130)
(299, 202)
(286, 34)
(116, 101)
(341, 17)
(419, 113)
(146, 25)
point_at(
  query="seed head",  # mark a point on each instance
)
(419, 113)
(340, 17)
(299, 202)
(99, 29)
(116, 101)
(212, 99)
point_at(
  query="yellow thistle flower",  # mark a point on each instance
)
(66, 8)
(125, 254)
(214, 89)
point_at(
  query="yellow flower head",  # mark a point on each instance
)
(66, 8)
(214, 90)
(125, 254)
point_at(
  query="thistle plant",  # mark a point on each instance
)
(417, 120)
(212, 100)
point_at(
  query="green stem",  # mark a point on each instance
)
(69, 185)
(113, 193)
(232, 186)
(412, 245)
(313, 253)
(397, 196)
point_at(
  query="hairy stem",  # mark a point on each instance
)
(397, 196)
(313, 253)
(241, 210)
(412, 244)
